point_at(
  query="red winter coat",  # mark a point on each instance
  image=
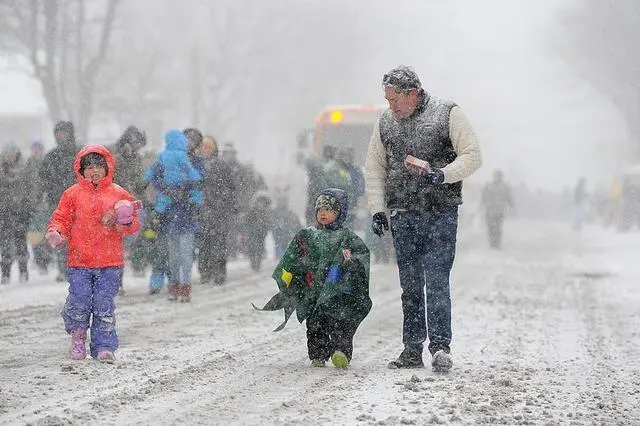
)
(78, 217)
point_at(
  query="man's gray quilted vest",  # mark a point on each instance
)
(425, 135)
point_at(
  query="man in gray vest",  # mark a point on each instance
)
(421, 149)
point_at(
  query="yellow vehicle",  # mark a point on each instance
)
(343, 126)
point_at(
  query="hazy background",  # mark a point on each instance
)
(549, 86)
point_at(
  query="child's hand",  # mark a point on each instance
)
(109, 218)
(54, 239)
(346, 254)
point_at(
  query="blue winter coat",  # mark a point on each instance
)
(177, 168)
(177, 182)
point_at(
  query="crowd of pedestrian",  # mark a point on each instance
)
(200, 205)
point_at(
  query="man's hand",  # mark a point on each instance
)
(380, 223)
(435, 177)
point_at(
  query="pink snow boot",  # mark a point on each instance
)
(78, 349)
(107, 357)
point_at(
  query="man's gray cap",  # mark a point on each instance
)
(402, 77)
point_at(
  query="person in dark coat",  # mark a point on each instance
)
(220, 206)
(229, 156)
(256, 228)
(17, 201)
(130, 171)
(41, 253)
(284, 224)
(130, 176)
(56, 175)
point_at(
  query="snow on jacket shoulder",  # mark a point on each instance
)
(78, 217)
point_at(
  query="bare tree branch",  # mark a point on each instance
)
(63, 63)
(600, 41)
(79, 37)
(107, 26)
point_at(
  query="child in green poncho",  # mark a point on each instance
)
(324, 276)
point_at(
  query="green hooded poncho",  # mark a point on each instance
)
(314, 278)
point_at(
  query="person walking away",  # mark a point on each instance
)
(324, 276)
(421, 149)
(496, 199)
(93, 217)
(18, 201)
(580, 199)
(56, 175)
(178, 199)
(220, 207)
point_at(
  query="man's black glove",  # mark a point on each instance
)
(435, 177)
(380, 223)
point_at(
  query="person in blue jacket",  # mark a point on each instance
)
(179, 197)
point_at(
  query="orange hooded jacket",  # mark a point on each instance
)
(78, 217)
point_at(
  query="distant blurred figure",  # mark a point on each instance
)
(335, 174)
(355, 190)
(284, 224)
(40, 214)
(56, 175)
(256, 227)
(496, 199)
(17, 201)
(579, 212)
(219, 212)
(229, 156)
(130, 176)
(130, 171)
(315, 175)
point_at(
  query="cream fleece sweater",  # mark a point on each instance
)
(465, 144)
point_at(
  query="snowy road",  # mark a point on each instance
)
(546, 332)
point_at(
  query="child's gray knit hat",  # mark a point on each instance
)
(328, 202)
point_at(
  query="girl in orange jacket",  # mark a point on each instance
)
(93, 216)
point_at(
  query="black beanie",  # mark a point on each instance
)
(91, 159)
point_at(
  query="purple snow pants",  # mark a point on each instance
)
(92, 293)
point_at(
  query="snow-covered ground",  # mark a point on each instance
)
(545, 332)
